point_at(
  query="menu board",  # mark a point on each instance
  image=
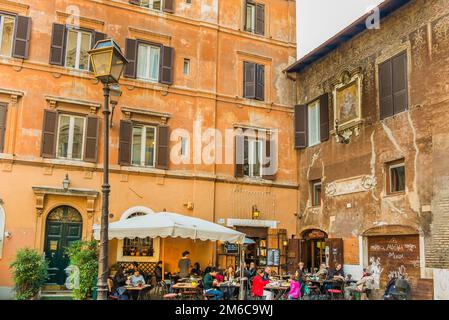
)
(231, 248)
(273, 257)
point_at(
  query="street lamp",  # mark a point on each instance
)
(108, 64)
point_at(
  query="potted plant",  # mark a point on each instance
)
(29, 271)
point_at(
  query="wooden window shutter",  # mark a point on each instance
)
(91, 143)
(386, 90)
(22, 38)
(166, 65)
(271, 159)
(335, 252)
(57, 44)
(131, 55)
(400, 87)
(135, 2)
(260, 19)
(301, 119)
(125, 138)
(324, 117)
(249, 80)
(162, 156)
(260, 82)
(3, 112)
(96, 36)
(169, 6)
(302, 252)
(49, 132)
(239, 156)
(293, 255)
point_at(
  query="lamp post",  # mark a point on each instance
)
(108, 64)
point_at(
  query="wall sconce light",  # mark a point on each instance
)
(340, 138)
(66, 182)
(255, 212)
(285, 243)
(8, 235)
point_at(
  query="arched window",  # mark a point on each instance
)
(137, 247)
(2, 229)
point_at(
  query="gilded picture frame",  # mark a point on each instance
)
(347, 97)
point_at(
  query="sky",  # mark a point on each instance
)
(319, 20)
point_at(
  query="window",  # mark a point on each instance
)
(314, 123)
(316, 193)
(71, 137)
(144, 146)
(255, 17)
(186, 69)
(152, 4)
(393, 86)
(138, 247)
(396, 177)
(77, 47)
(250, 17)
(148, 62)
(6, 35)
(253, 81)
(252, 159)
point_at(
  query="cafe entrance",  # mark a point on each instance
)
(313, 249)
(256, 252)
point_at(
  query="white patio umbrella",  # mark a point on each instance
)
(168, 224)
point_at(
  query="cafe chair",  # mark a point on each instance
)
(336, 294)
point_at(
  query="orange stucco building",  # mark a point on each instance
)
(195, 66)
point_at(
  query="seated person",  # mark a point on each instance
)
(258, 284)
(295, 292)
(136, 279)
(158, 272)
(117, 284)
(336, 274)
(364, 285)
(209, 282)
(196, 270)
(322, 272)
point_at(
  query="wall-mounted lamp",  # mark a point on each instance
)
(340, 138)
(8, 235)
(255, 212)
(285, 243)
(66, 182)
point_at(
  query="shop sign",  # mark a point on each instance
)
(252, 223)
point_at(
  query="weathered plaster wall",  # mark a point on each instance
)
(418, 135)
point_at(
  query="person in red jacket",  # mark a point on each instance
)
(258, 284)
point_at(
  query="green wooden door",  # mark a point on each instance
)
(64, 226)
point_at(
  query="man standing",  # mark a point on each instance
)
(184, 265)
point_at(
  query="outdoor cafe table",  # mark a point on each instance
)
(187, 289)
(143, 290)
(229, 287)
(277, 290)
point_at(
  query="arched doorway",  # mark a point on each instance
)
(63, 227)
(313, 248)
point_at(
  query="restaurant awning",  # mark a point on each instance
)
(168, 224)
